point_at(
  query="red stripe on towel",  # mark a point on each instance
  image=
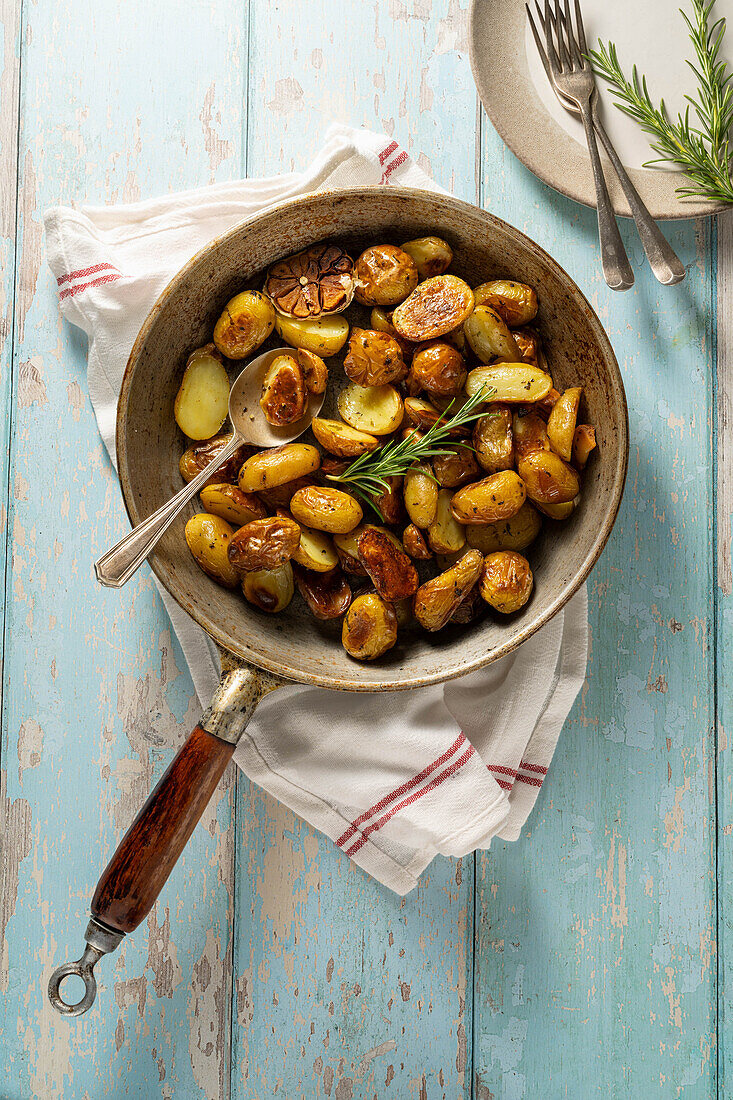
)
(84, 272)
(72, 291)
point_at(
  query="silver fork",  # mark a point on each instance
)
(572, 76)
(663, 260)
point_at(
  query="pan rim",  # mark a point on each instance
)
(455, 668)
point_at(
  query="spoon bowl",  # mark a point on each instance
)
(246, 415)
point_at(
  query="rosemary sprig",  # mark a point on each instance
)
(698, 144)
(367, 475)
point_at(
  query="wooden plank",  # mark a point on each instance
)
(343, 989)
(595, 961)
(131, 100)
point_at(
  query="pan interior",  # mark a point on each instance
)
(150, 444)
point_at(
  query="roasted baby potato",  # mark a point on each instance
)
(328, 595)
(384, 275)
(493, 439)
(445, 533)
(246, 322)
(432, 255)
(341, 439)
(315, 550)
(347, 548)
(374, 409)
(439, 369)
(414, 543)
(420, 413)
(268, 469)
(506, 581)
(437, 599)
(326, 509)
(530, 346)
(391, 571)
(546, 404)
(518, 383)
(497, 497)
(269, 589)
(560, 511)
(516, 303)
(279, 496)
(562, 420)
(470, 608)
(515, 533)
(284, 393)
(456, 468)
(374, 358)
(434, 308)
(229, 502)
(530, 432)
(370, 628)
(314, 370)
(548, 478)
(202, 401)
(389, 501)
(324, 336)
(208, 538)
(263, 544)
(420, 493)
(198, 457)
(584, 441)
(490, 338)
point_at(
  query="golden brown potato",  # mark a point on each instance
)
(370, 628)
(562, 420)
(279, 496)
(246, 322)
(314, 370)
(456, 468)
(268, 469)
(328, 595)
(547, 478)
(515, 533)
(546, 404)
(561, 511)
(269, 589)
(315, 550)
(437, 599)
(284, 393)
(434, 308)
(198, 457)
(439, 369)
(342, 440)
(347, 548)
(229, 502)
(208, 538)
(389, 501)
(518, 383)
(263, 544)
(493, 439)
(529, 344)
(584, 441)
(490, 338)
(202, 401)
(326, 509)
(445, 533)
(470, 608)
(420, 413)
(432, 255)
(381, 321)
(516, 303)
(420, 492)
(385, 275)
(530, 433)
(391, 571)
(374, 358)
(324, 336)
(373, 409)
(497, 497)
(414, 543)
(506, 581)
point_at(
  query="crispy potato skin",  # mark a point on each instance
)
(385, 275)
(229, 502)
(506, 581)
(414, 543)
(268, 469)
(529, 344)
(562, 420)
(497, 497)
(341, 439)
(547, 478)
(438, 368)
(370, 628)
(438, 599)
(470, 608)
(432, 255)
(515, 533)
(584, 441)
(208, 538)
(434, 308)
(516, 303)
(489, 337)
(530, 433)
(246, 322)
(457, 468)
(314, 370)
(389, 501)
(284, 393)
(270, 590)
(198, 457)
(328, 595)
(263, 544)
(493, 439)
(326, 509)
(374, 358)
(391, 571)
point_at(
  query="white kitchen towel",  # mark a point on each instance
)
(392, 779)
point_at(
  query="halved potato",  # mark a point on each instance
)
(515, 533)
(201, 455)
(445, 533)
(420, 492)
(456, 468)
(315, 551)
(562, 420)
(341, 439)
(284, 392)
(519, 383)
(414, 543)
(548, 478)
(384, 275)
(391, 571)
(560, 511)
(530, 432)
(323, 336)
(434, 308)
(584, 441)
(202, 401)
(375, 409)
(314, 370)
(246, 322)
(490, 338)
(493, 439)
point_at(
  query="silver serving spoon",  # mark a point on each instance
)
(249, 426)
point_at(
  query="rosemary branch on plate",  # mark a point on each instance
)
(699, 144)
(367, 475)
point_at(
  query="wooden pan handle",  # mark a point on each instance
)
(150, 848)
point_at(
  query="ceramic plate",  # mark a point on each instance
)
(518, 99)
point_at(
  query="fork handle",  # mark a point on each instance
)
(663, 260)
(615, 262)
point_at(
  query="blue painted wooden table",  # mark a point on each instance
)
(590, 959)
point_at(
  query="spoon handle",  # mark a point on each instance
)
(117, 566)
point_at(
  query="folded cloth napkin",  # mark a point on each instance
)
(392, 779)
